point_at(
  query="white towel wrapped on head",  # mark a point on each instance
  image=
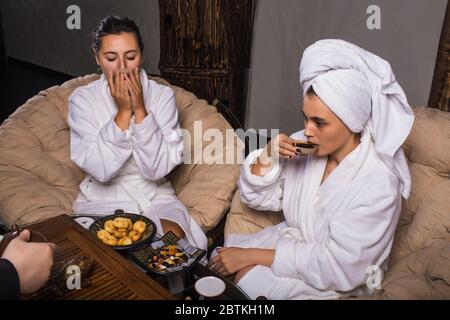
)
(361, 89)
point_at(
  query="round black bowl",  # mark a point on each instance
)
(147, 236)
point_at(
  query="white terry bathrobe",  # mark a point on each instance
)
(126, 169)
(337, 236)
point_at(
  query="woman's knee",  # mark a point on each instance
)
(168, 226)
(241, 273)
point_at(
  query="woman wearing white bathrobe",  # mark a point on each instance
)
(342, 204)
(125, 135)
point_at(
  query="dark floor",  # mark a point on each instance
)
(23, 81)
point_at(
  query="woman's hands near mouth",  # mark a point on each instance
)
(119, 92)
(136, 94)
(126, 90)
(135, 89)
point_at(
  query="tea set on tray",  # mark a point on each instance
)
(133, 235)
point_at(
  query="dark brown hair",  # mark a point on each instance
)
(115, 25)
(311, 92)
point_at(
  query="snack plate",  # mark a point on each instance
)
(142, 256)
(147, 236)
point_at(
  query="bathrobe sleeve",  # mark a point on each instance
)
(9, 281)
(262, 193)
(100, 150)
(158, 140)
(356, 241)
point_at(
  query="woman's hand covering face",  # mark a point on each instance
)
(126, 89)
(119, 91)
(135, 90)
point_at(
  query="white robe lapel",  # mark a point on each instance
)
(301, 187)
(306, 197)
(337, 183)
(107, 100)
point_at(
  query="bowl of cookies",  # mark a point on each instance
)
(124, 231)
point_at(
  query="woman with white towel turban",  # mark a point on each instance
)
(125, 135)
(341, 205)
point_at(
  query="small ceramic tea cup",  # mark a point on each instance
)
(306, 148)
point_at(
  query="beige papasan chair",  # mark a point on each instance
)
(420, 257)
(39, 181)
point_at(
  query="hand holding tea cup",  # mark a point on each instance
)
(283, 147)
(32, 260)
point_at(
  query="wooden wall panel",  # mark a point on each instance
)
(205, 44)
(440, 91)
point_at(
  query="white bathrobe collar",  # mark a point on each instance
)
(312, 169)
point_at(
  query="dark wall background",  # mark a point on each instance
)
(38, 51)
(21, 80)
(26, 80)
(2, 59)
(36, 31)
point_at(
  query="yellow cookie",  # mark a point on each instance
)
(130, 225)
(119, 235)
(109, 226)
(134, 235)
(139, 226)
(126, 241)
(120, 223)
(103, 234)
(110, 242)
